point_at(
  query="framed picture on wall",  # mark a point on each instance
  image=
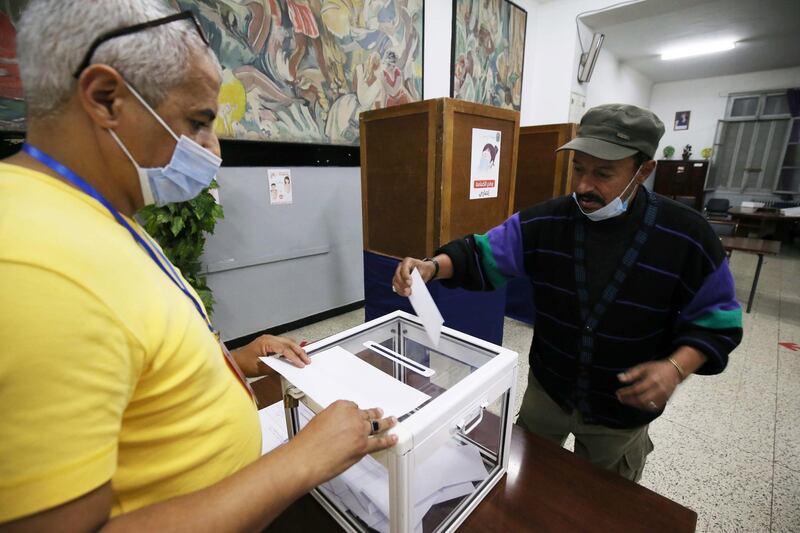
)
(488, 52)
(682, 120)
(302, 71)
(293, 71)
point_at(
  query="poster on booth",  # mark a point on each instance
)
(280, 186)
(485, 173)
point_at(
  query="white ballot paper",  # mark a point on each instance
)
(337, 374)
(273, 427)
(447, 474)
(423, 304)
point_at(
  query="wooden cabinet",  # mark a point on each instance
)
(543, 173)
(416, 169)
(682, 180)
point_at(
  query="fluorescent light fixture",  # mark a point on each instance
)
(698, 49)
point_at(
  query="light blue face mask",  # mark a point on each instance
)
(191, 169)
(612, 209)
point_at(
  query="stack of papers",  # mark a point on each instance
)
(364, 488)
(273, 425)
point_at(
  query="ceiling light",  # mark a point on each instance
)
(697, 49)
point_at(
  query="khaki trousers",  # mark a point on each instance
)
(623, 451)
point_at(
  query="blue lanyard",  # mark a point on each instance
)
(87, 189)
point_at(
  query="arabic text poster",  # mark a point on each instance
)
(485, 175)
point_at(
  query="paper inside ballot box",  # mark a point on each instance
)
(363, 489)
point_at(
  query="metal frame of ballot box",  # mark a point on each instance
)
(482, 399)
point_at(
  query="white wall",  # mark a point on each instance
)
(551, 63)
(706, 98)
(438, 34)
(614, 82)
(274, 264)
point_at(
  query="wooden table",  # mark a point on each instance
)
(760, 247)
(765, 222)
(547, 488)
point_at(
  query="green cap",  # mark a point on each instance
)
(617, 131)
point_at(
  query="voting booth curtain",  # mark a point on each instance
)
(479, 314)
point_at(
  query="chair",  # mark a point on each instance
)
(717, 208)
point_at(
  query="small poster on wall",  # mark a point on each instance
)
(485, 165)
(280, 186)
(682, 120)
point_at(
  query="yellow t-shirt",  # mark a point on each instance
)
(107, 370)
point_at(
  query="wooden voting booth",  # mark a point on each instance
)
(543, 173)
(415, 174)
(416, 168)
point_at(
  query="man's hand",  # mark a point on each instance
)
(651, 385)
(401, 282)
(340, 436)
(248, 360)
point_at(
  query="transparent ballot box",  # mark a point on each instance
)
(453, 444)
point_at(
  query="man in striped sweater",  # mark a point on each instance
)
(632, 293)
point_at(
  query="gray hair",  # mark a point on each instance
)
(54, 35)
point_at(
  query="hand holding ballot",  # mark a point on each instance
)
(439, 267)
(247, 357)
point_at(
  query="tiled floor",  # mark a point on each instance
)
(728, 446)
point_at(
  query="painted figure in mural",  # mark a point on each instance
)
(342, 125)
(293, 70)
(412, 48)
(315, 65)
(392, 81)
(306, 29)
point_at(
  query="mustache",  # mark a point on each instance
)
(589, 197)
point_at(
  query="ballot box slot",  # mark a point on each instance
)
(400, 359)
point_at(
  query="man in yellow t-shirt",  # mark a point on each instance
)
(119, 407)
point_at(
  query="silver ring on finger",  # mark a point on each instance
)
(652, 405)
(375, 426)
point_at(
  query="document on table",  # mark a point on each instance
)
(423, 304)
(273, 425)
(337, 374)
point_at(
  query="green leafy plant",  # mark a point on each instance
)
(669, 151)
(180, 229)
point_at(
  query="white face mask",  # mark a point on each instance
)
(612, 209)
(190, 170)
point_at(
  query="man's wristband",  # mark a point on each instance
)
(677, 367)
(435, 266)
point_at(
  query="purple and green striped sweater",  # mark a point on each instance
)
(672, 287)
